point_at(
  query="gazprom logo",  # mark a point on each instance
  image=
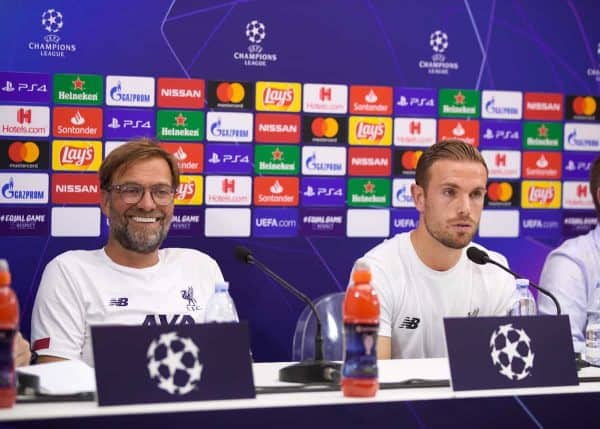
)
(130, 91)
(326, 161)
(502, 104)
(582, 137)
(24, 188)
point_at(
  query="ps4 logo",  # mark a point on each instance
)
(416, 101)
(34, 87)
(229, 159)
(323, 192)
(501, 134)
(129, 123)
(581, 165)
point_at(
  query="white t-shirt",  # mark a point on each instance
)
(415, 298)
(80, 288)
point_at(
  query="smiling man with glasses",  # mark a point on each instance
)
(130, 281)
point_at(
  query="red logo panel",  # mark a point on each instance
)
(272, 128)
(189, 156)
(70, 188)
(371, 100)
(364, 161)
(183, 93)
(276, 191)
(542, 165)
(543, 106)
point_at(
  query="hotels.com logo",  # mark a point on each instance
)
(541, 194)
(24, 116)
(72, 155)
(278, 97)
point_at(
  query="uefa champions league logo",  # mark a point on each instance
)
(52, 21)
(511, 353)
(438, 40)
(173, 363)
(255, 31)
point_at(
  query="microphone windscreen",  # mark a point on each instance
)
(243, 254)
(477, 255)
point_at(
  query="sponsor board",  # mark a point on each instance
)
(228, 191)
(229, 127)
(128, 123)
(370, 131)
(405, 162)
(540, 106)
(19, 221)
(542, 136)
(272, 159)
(541, 223)
(277, 128)
(275, 222)
(364, 161)
(501, 104)
(230, 95)
(401, 193)
(420, 132)
(75, 222)
(415, 102)
(502, 194)
(76, 155)
(582, 137)
(324, 129)
(180, 93)
(459, 129)
(276, 191)
(278, 96)
(577, 165)
(577, 195)
(542, 165)
(189, 156)
(371, 100)
(503, 163)
(460, 103)
(577, 222)
(368, 223)
(71, 188)
(85, 89)
(501, 135)
(190, 191)
(404, 221)
(323, 191)
(133, 91)
(24, 87)
(499, 223)
(368, 192)
(540, 194)
(186, 222)
(25, 121)
(77, 122)
(323, 222)
(323, 161)
(186, 125)
(582, 108)
(23, 188)
(325, 98)
(229, 222)
(24, 154)
(228, 158)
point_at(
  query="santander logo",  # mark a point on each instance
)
(278, 97)
(373, 132)
(186, 191)
(70, 155)
(542, 195)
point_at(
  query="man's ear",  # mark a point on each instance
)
(418, 195)
(105, 202)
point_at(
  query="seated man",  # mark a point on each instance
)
(130, 281)
(424, 275)
(572, 271)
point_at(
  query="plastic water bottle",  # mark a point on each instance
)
(9, 322)
(220, 307)
(592, 329)
(523, 302)
(361, 323)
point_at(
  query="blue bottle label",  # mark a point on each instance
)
(7, 378)
(361, 351)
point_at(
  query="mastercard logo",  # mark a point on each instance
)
(410, 159)
(584, 105)
(230, 92)
(324, 127)
(500, 192)
(23, 152)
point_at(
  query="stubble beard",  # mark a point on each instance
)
(137, 240)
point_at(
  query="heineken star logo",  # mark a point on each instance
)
(180, 120)
(277, 155)
(543, 131)
(459, 98)
(369, 187)
(78, 83)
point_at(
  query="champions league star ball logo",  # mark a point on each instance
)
(52, 21)
(255, 31)
(438, 40)
(173, 363)
(511, 352)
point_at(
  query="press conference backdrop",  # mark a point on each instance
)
(297, 126)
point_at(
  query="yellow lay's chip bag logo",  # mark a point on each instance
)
(74, 155)
(370, 131)
(540, 195)
(189, 191)
(278, 96)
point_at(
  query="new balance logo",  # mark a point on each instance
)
(119, 302)
(474, 312)
(410, 323)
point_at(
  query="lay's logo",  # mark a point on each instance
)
(189, 191)
(278, 96)
(540, 194)
(75, 155)
(370, 131)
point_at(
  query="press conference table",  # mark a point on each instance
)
(404, 407)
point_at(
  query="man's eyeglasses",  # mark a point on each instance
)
(132, 193)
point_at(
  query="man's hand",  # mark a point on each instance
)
(21, 352)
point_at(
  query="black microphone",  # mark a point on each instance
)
(309, 371)
(481, 257)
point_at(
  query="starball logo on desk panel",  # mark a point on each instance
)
(278, 96)
(129, 91)
(77, 122)
(180, 93)
(370, 131)
(230, 95)
(76, 155)
(86, 89)
(190, 191)
(540, 194)
(24, 87)
(325, 98)
(371, 100)
(24, 154)
(23, 188)
(324, 129)
(415, 102)
(25, 121)
(129, 123)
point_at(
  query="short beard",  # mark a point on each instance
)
(138, 242)
(447, 240)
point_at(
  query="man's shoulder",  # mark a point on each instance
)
(579, 245)
(72, 258)
(495, 256)
(183, 255)
(389, 247)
